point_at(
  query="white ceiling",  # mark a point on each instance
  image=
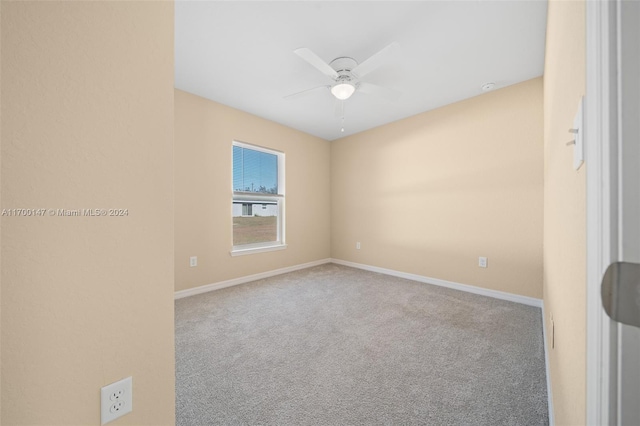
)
(241, 54)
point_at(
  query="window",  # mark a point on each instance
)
(258, 199)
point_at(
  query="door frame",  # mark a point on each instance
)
(597, 133)
(601, 132)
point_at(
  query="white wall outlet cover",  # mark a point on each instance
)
(482, 262)
(116, 400)
(578, 148)
(193, 261)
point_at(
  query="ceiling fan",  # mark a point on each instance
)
(346, 74)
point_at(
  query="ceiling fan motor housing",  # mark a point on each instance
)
(343, 67)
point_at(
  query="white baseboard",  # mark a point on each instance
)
(546, 363)
(235, 281)
(525, 300)
(531, 301)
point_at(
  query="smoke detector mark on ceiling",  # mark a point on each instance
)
(488, 86)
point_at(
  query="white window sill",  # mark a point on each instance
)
(251, 250)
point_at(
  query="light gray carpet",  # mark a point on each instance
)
(333, 345)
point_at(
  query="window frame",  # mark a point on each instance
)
(259, 198)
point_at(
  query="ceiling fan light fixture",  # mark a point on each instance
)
(343, 91)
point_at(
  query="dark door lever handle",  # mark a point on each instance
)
(621, 292)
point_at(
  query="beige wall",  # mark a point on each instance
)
(204, 133)
(87, 122)
(564, 210)
(0, 221)
(431, 193)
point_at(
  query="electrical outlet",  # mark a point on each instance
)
(482, 262)
(358, 245)
(116, 400)
(116, 395)
(193, 261)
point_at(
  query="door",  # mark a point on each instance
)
(612, 131)
(628, 405)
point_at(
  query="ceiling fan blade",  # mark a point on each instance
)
(304, 92)
(385, 92)
(318, 63)
(375, 61)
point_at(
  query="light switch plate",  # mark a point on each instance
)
(578, 148)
